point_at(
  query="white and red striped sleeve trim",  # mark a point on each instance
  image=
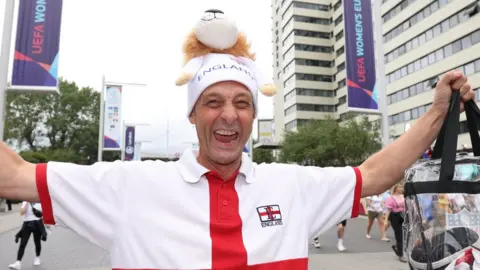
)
(44, 194)
(357, 194)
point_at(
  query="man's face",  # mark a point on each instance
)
(223, 117)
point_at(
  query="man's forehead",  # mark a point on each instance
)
(227, 89)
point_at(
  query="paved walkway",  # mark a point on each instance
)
(65, 250)
(10, 220)
(361, 254)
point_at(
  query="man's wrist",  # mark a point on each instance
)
(437, 115)
(438, 111)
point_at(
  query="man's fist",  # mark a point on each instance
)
(451, 81)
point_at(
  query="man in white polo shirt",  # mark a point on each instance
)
(217, 210)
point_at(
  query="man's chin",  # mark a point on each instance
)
(226, 157)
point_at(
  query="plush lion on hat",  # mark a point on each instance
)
(216, 34)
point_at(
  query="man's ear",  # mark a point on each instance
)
(191, 117)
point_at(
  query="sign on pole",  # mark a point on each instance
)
(129, 143)
(265, 130)
(137, 152)
(112, 133)
(35, 65)
(362, 90)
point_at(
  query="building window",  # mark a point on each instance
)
(315, 107)
(311, 6)
(314, 34)
(427, 85)
(296, 123)
(313, 77)
(339, 20)
(340, 51)
(337, 5)
(309, 92)
(414, 19)
(396, 10)
(448, 50)
(313, 48)
(313, 20)
(313, 63)
(339, 36)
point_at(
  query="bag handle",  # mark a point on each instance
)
(446, 148)
(446, 144)
(473, 119)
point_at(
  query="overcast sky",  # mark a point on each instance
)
(140, 42)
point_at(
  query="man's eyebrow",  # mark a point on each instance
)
(210, 95)
(243, 95)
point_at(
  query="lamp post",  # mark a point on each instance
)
(380, 64)
(5, 60)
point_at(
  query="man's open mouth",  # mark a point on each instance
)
(225, 136)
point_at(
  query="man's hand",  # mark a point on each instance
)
(451, 81)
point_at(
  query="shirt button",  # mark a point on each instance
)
(225, 203)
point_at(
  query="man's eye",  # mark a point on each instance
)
(213, 103)
(243, 103)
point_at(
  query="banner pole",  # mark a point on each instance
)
(101, 120)
(5, 60)
(123, 140)
(380, 56)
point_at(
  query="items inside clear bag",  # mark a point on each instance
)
(443, 229)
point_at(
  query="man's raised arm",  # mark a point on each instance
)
(73, 195)
(17, 176)
(387, 167)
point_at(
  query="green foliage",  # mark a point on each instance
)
(262, 155)
(58, 127)
(34, 157)
(328, 143)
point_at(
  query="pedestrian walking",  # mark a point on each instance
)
(340, 235)
(375, 211)
(386, 223)
(9, 205)
(395, 214)
(32, 225)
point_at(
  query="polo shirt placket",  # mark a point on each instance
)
(228, 249)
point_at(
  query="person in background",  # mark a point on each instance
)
(9, 205)
(32, 224)
(340, 234)
(386, 223)
(395, 214)
(375, 211)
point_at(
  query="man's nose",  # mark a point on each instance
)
(229, 113)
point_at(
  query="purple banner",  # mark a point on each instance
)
(360, 56)
(37, 44)
(129, 143)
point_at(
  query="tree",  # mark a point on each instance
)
(262, 155)
(328, 143)
(63, 126)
